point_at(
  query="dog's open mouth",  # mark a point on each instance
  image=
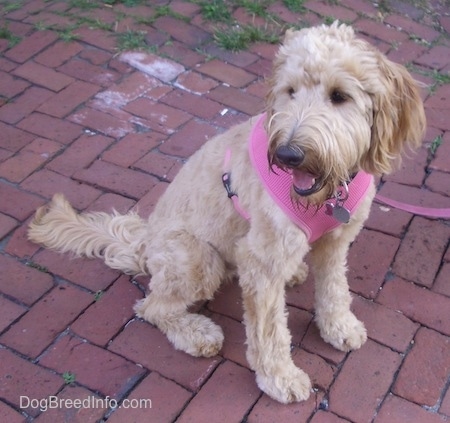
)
(305, 183)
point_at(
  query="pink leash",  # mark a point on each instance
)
(443, 213)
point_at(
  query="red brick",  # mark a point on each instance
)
(7, 224)
(128, 182)
(158, 164)
(29, 283)
(419, 256)
(18, 244)
(80, 154)
(18, 167)
(106, 123)
(369, 260)
(268, 410)
(386, 326)
(19, 377)
(13, 139)
(69, 411)
(143, 343)
(230, 384)
(237, 100)
(372, 370)
(436, 58)
(413, 28)
(196, 105)
(43, 75)
(95, 56)
(406, 52)
(188, 139)
(182, 54)
(195, 83)
(412, 171)
(439, 182)
(28, 102)
(361, 6)
(167, 401)
(90, 274)
(130, 88)
(162, 117)
(380, 31)
(228, 301)
(417, 303)
(302, 295)
(182, 31)
(50, 128)
(232, 75)
(131, 148)
(326, 417)
(10, 86)
(81, 69)
(313, 343)
(441, 285)
(234, 347)
(398, 410)
(108, 202)
(31, 45)
(164, 69)
(389, 220)
(425, 370)
(59, 53)
(46, 319)
(321, 373)
(8, 414)
(20, 204)
(337, 11)
(101, 321)
(440, 160)
(69, 99)
(414, 196)
(9, 312)
(104, 40)
(93, 367)
(438, 118)
(47, 183)
(147, 203)
(30, 8)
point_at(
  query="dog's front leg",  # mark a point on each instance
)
(268, 339)
(338, 325)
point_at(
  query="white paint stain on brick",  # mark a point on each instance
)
(164, 69)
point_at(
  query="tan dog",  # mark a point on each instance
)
(336, 107)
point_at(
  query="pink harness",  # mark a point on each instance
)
(314, 221)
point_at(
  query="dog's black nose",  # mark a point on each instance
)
(289, 156)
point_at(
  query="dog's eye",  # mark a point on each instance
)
(338, 97)
(291, 92)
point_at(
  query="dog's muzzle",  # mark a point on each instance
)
(291, 158)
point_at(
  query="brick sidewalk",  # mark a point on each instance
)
(112, 129)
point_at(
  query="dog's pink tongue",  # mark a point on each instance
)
(303, 180)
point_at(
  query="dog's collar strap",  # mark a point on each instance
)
(315, 222)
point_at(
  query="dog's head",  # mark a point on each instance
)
(335, 106)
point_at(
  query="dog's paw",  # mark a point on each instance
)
(197, 335)
(292, 385)
(344, 333)
(299, 277)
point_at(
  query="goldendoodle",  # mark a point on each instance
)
(255, 200)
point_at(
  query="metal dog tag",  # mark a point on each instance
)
(341, 214)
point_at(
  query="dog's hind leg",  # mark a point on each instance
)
(184, 270)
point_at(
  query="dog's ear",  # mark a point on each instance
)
(398, 118)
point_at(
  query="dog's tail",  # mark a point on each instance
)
(117, 239)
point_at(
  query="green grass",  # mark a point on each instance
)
(6, 34)
(215, 10)
(68, 377)
(435, 145)
(131, 40)
(240, 37)
(296, 6)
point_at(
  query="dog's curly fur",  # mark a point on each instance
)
(347, 108)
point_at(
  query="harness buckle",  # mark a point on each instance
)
(226, 180)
